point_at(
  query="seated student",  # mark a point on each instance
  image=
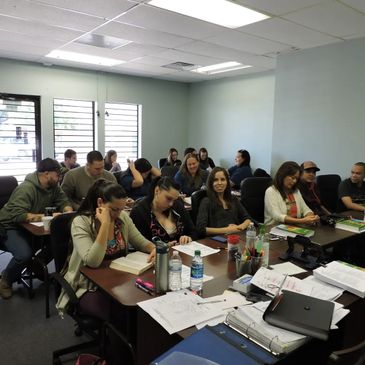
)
(172, 159)
(205, 161)
(162, 213)
(283, 201)
(241, 170)
(308, 188)
(69, 162)
(190, 177)
(110, 162)
(101, 231)
(189, 150)
(137, 179)
(220, 212)
(351, 191)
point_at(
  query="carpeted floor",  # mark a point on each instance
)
(26, 336)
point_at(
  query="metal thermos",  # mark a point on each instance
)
(162, 265)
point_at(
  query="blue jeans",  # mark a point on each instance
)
(18, 244)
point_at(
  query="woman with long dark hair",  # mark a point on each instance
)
(241, 169)
(172, 158)
(283, 201)
(110, 161)
(220, 212)
(190, 177)
(161, 213)
(100, 231)
(204, 160)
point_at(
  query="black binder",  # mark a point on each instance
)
(300, 313)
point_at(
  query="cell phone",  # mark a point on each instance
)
(219, 239)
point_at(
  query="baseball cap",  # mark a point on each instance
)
(48, 164)
(309, 165)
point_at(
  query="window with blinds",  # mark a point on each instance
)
(20, 135)
(73, 126)
(122, 125)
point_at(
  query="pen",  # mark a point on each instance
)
(281, 285)
(143, 288)
(213, 301)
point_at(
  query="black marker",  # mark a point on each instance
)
(143, 288)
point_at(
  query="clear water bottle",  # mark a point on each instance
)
(250, 237)
(196, 272)
(266, 250)
(175, 267)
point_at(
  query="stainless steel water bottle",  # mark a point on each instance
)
(162, 265)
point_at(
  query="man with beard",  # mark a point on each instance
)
(27, 203)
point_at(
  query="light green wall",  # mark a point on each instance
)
(164, 103)
(231, 114)
(320, 107)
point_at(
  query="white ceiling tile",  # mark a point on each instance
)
(141, 67)
(102, 8)
(141, 35)
(142, 49)
(30, 49)
(49, 15)
(179, 56)
(154, 61)
(288, 32)
(37, 30)
(356, 4)
(277, 7)
(246, 42)
(169, 22)
(332, 18)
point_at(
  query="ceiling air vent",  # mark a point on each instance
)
(181, 66)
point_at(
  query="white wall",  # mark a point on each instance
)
(164, 103)
(320, 107)
(231, 114)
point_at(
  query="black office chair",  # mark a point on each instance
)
(354, 355)
(328, 190)
(253, 196)
(7, 186)
(196, 199)
(61, 248)
(161, 162)
(169, 171)
(261, 173)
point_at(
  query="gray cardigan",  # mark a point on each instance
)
(88, 252)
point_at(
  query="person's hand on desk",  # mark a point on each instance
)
(183, 240)
(310, 219)
(33, 217)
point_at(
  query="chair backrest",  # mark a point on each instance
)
(253, 196)
(350, 356)
(196, 199)
(261, 173)
(7, 186)
(169, 171)
(328, 189)
(61, 239)
(161, 162)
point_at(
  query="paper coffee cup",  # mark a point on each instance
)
(46, 222)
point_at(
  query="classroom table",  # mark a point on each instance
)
(149, 338)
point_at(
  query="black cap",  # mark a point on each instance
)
(142, 165)
(48, 164)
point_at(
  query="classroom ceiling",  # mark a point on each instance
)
(30, 29)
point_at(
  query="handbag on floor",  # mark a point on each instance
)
(90, 359)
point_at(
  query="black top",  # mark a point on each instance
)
(214, 215)
(205, 164)
(148, 225)
(347, 188)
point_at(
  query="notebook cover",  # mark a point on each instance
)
(300, 313)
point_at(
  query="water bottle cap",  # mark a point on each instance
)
(197, 253)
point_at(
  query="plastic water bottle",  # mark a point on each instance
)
(196, 272)
(175, 267)
(250, 236)
(266, 250)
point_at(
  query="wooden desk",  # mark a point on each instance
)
(150, 339)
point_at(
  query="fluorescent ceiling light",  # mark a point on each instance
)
(83, 58)
(220, 67)
(221, 12)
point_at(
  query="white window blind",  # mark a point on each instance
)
(122, 125)
(73, 125)
(20, 134)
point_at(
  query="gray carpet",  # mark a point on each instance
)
(26, 336)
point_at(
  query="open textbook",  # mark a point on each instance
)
(134, 263)
(343, 275)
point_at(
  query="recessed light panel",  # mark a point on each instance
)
(220, 67)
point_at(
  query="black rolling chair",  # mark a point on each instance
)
(196, 199)
(350, 356)
(7, 186)
(253, 196)
(169, 171)
(161, 162)
(328, 189)
(61, 248)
